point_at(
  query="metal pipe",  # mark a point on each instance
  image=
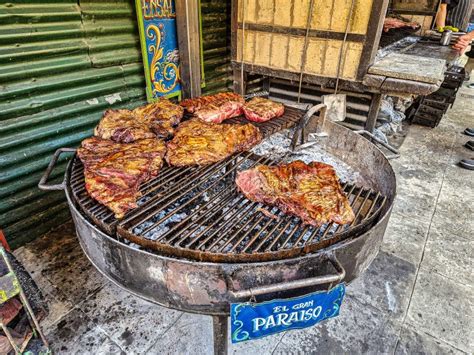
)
(291, 285)
(221, 334)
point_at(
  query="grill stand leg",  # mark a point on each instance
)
(220, 335)
(373, 112)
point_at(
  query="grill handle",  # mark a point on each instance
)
(373, 138)
(292, 285)
(42, 183)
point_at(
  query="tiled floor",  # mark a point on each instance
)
(417, 296)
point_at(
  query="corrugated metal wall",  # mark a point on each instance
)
(62, 63)
(216, 44)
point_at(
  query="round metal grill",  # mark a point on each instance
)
(197, 213)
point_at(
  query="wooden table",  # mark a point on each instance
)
(417, 69)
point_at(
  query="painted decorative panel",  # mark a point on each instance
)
(157, 24)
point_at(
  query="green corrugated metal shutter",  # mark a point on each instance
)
(62, 63)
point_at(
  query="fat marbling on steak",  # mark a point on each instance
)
(113, 172)
(200, 143)
(215, 108)
(309, 191)
(260, 109)
(157, 119)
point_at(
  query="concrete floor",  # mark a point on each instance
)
(417, 296)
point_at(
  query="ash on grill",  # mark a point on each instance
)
(278, 148)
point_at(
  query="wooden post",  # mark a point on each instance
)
(187, 21)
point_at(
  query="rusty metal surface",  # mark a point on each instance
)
(206, 287)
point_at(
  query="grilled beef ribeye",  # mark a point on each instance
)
(215, 108)
(113, 171)
(310, 191)
(153, 120)
(260, 109)
(200, 143)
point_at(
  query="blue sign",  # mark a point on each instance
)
(256, 320)
(157, 24)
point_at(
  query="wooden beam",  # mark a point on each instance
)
(351, 37)
(374, 32)
(187, 21)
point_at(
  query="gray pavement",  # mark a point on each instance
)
(416, 297)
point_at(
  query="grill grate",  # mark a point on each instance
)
(197, 212)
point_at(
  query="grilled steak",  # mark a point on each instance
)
(310, 191)
(200, 143)
(113, 172)
(391, 22)
(260, 109)
(215, 108)
(149, 121)
(193, 105)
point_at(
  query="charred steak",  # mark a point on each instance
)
(153, 120)
(215, 108)
(309, 191)
(200, 143)
(260, 109)
(113, 172)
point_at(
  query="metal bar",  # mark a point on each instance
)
(10, 338)
(191, 182)
(292, 233)
(269, 234)
(375, 202)
(255, 237)
(194, 198)
(168, 216)
(229, 220)
(220, 329)
(369, 192)
(208, 213)
(303, 233)
(279, 235)
(24, 300)
(208, 227)
(296, 284)
(244, 236)
(354, 201)
(42, 185)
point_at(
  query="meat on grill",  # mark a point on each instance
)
(200, 143)
(113, 172)
(153, 120)
(391, 22)
(215, 108)
(260, 109)
(309, 191)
